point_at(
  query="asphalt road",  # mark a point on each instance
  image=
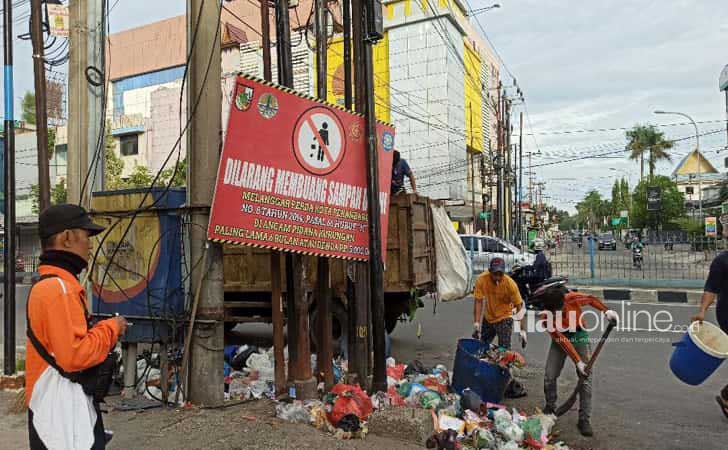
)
(21, 296)
(638, 403)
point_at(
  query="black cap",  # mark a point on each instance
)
(58, 218)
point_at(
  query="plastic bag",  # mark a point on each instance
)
(532, 429)
(484, 439)
(396, 371)
(506, 427)
(548, 421)
(429, 399)
(293, 412)
(470, 400)
(349, 400)
(446, 422)
(510, 445)
(394, 398)
(433, 384)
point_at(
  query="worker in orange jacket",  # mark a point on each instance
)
(60, 340)
(570, 338)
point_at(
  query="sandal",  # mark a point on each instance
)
(723, 405)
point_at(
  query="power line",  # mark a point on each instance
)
(601, 130)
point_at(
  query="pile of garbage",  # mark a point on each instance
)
(248, 373)
(460, 422)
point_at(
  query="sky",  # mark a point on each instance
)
(582, 66)
(610, 64)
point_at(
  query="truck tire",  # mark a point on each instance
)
(339, 326)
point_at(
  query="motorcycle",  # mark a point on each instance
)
(532, 286)
(637, 258)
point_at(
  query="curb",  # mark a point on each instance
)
(674, 296)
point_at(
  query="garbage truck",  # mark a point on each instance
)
(410, 271)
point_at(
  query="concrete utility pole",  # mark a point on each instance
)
(323, 283)
(77, 99)
(519, 190)
(85, 101)
(9, 200)
(41, 113)
(204, 143)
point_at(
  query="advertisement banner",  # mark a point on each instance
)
(292, 175)
(711, 226)
(654, 198)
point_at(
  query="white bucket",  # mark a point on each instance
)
(710, 339)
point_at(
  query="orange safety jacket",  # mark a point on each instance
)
(58, 318)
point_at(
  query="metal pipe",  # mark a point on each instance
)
(9, 188)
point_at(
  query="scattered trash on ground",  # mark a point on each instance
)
(460, 421)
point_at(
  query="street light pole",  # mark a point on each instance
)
(697, 148)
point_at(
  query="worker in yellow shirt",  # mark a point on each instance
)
(501, 296)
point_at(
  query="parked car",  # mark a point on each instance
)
(484, 248)
(606, 241)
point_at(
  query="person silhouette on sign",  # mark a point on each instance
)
(324, 133)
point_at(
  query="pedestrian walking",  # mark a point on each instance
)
(569, 338)
(68, 365)
(501, 296)
(716, 287)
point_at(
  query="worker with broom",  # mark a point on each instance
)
(563, 321)
(68, 362)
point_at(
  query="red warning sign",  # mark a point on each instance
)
(319, 141)
(296, 180)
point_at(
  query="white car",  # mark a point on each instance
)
(482, 249)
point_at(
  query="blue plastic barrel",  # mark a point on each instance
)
(700, 351)
(486, 379)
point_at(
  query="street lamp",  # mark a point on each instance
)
(697, 148)
(474, 12)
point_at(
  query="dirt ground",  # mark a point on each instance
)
(248, 426)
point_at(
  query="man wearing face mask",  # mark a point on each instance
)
(63, 348)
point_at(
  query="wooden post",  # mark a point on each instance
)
(277, 316)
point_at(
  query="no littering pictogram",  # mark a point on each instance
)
(318, 140)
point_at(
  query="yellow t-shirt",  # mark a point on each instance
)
(500, 299)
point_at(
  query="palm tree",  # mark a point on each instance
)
(646, 139)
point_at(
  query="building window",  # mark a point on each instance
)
(689, 190)
(129, 145)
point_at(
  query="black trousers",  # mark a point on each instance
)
(99, 434)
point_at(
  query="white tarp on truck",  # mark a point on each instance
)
(454, 269)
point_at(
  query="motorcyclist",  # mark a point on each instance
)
(634, 247)
(541, 266)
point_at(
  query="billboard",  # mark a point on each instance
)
(654, 198)
(711, 226)
(292, 175)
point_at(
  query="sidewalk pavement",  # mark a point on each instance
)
(668, 295)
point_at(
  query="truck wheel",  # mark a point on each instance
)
(339, 326)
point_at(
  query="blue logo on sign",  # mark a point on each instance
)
(387, 141)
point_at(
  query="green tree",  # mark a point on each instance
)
(59, 193)
(27, 106)
(626, 195)
(617, 200)
(672, 205)
(140, 177)
(647, 140)
(593, 210)
(114, 164)
(180, 177)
